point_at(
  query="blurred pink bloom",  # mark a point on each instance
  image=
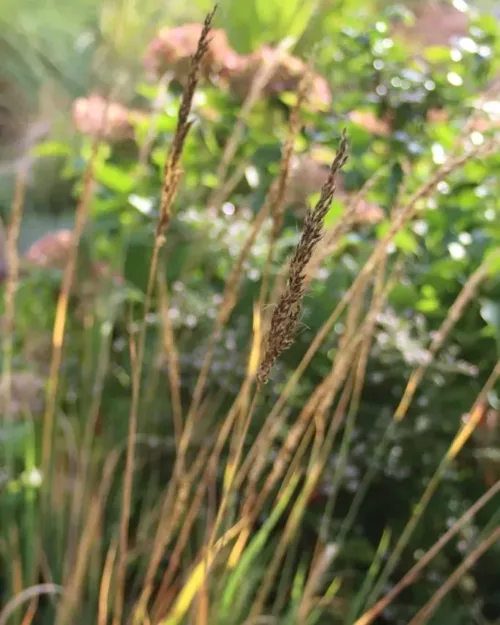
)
(93, 115)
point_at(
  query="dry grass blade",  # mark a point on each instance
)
(313, 414)
(175, 506)
(74, 587)
(325, 396)
(293, 130)
(401, 217)
(333, 236)
(454, 314)
(287, 312)
(430, 607)
(105, 585)
(62, 306)
(413, 574)
(182, 504)
(27, 595)
(171, 353)
(455, 447)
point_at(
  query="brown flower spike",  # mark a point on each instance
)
(287, 312)
(172, 171)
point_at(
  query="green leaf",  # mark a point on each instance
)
(334, 214)
(403, 295)
(406, 242)
(51, 148)
(114, 178)
(428, 305)
(255, 547)
(490, 312)
(493, 261)
(437, 54)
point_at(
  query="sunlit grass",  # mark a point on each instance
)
(127, 527)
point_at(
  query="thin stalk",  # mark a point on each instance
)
(370, 615)
(430, 607)
(456, 445)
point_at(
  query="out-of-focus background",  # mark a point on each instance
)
(416, 85)
(59, 53)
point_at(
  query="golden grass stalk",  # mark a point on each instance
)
(455, 311)
(466, 294)
(357, 384)
(105, 585)
(311, 417)
(333, 235)
(82, 211)
(353, 392)
(293, 130)
(164, 533)
(401, 217)
(171, 181)
(168, 521)
(324, 400)
(73, 589)
(273, 204)
(287, 312)
(176, 504)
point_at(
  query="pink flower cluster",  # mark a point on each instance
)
(94, 116)
(172, 49)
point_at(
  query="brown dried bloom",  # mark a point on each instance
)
(26, 394)
(53, 250)
(94, 116)
(173, 48)
(437, 116)
(287, 312)
(307, 175)
(286, 77)
(436, 24)
(371, 123)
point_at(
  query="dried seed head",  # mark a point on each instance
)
(287, 312)
(172, 172)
